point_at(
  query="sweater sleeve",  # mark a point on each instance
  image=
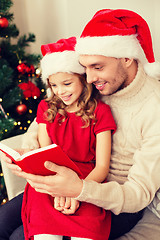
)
(143, 178)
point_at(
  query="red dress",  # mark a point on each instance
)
(89, 221)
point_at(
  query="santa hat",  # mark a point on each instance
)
(120, 34)
(60, 57)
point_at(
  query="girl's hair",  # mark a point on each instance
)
(87, 103)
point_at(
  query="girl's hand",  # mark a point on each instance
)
(71, 206)
(59, 203)
(66, 205)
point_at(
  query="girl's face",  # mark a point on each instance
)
(68, 88)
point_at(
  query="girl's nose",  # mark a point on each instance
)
(61, 90)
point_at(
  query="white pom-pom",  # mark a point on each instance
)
(153, 69)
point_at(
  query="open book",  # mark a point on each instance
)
(33, 161)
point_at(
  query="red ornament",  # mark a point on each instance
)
(22, 68)
(21, 109)
(30, 89)
(3, 22)
(30, 69)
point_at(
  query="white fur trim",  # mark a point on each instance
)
(153, 69)
(66, 61)
(111, 46)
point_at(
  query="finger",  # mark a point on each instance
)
(62, 201)
(68, 202)
(22, 151)
(37, 185)
(56, 202)
(46, 192)
(68, 211)
(13, 167)
(54, 168)
(74, 204)
(32, 177)
(5, 158)
(42, 188)
(41, 191)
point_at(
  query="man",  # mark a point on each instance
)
(116, 50)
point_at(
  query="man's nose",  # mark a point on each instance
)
(91, 77)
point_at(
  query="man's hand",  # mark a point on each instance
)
(14, 168)
(65, 183)
(66, 205)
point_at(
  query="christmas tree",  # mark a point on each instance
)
(21, 88)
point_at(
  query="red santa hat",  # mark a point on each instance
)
(60, 57)
(120, 34)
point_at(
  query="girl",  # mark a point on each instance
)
(73, 118)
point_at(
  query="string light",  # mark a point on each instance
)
(1, 100)
(30, 110)
(38, 71)
(4, 201)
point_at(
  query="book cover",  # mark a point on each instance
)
(33, 161)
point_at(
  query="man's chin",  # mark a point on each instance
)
(104, 93)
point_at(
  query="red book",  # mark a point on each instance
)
(33, 161)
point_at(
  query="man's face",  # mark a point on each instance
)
(108, 74)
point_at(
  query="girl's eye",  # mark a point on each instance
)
(53, 85)
(67, 84)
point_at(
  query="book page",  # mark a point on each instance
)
(9, 151)
(37, 150)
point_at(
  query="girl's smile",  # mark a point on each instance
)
(66, 98)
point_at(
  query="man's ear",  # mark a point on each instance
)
(128, 61)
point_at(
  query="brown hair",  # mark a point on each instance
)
(87, 103)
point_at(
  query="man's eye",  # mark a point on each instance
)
(98, 68)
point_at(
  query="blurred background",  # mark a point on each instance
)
(50, 20)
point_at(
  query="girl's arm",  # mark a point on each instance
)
(43, 138)
(103, 154)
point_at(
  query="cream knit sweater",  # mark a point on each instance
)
(134, 175)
